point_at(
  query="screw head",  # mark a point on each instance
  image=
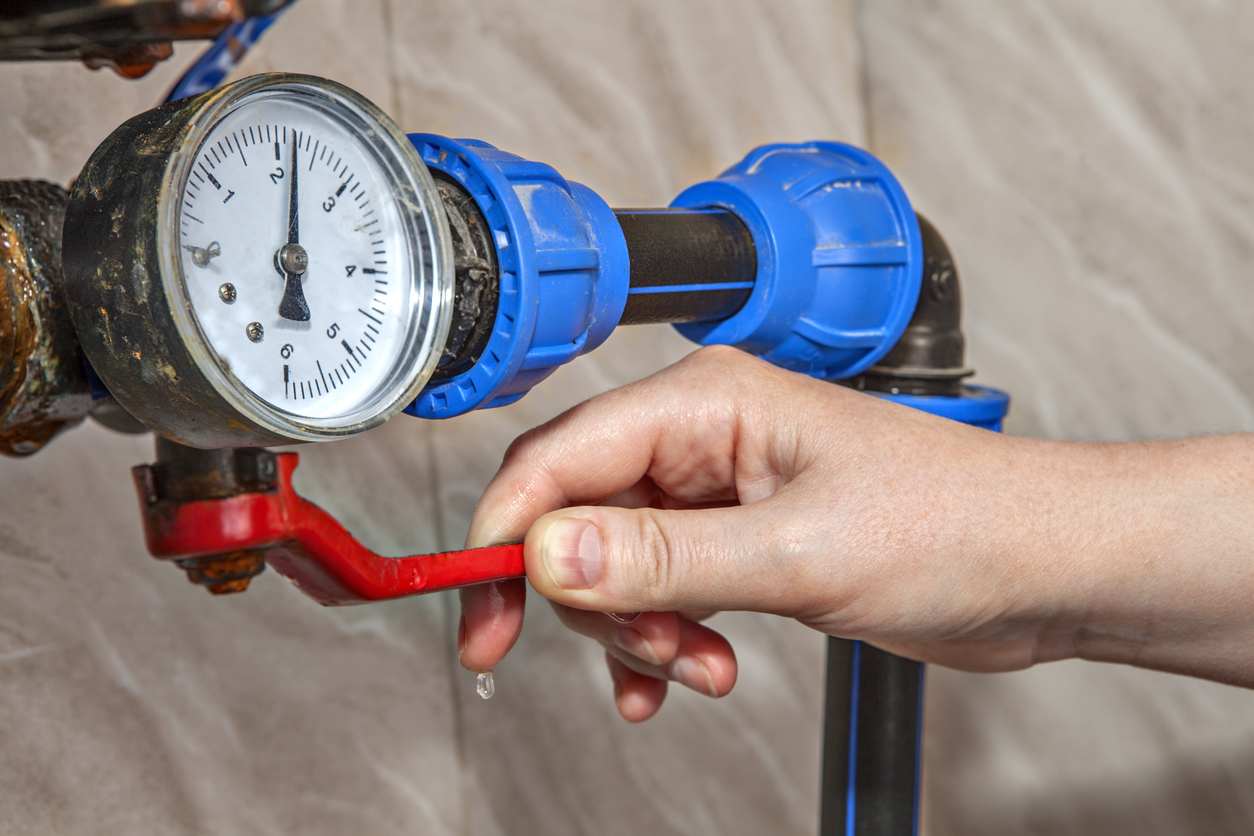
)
(255, 331)
(227, 292)
(294, 259)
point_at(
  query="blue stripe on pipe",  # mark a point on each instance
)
(851, 795)
(918, 751)
(688, 288)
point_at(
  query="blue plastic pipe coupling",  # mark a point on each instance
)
(807, 255)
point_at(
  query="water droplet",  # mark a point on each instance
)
(485, 686)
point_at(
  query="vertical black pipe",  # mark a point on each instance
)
(835, 790)
(870, 779)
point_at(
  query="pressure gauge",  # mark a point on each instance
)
(265, 263)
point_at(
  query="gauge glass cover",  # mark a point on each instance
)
(308, 269)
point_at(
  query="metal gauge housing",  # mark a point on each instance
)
(265, 263)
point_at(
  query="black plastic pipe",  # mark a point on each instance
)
(871, 742)
(686, 265)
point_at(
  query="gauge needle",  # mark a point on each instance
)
(293, 260)
(201, 256)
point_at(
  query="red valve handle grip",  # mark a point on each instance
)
(307, 545)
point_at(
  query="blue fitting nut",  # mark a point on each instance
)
(840, 257)
(979, 406)
(563, 265)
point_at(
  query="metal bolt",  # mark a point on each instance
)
(265, 468)
(227, 292)
(294, 259)
(255, 331)
(223, 574)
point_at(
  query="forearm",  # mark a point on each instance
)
(1145, 551)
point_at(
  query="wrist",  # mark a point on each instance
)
(1150, 554)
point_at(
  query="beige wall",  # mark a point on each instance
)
(1088, 164)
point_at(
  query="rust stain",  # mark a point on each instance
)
(224, 574)
(18, 327)
(42, 387)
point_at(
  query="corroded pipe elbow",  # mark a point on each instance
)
(43, 386)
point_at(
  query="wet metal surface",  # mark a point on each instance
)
(43, 388)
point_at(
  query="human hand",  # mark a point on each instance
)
(726, 483)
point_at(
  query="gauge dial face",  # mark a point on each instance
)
(304, 242)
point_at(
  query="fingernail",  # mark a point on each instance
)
(572, 553)
(690, 673)
(461, 638)
(637, 645)
(623, 617)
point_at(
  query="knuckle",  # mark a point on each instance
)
(720, 354)
(651, 561)
(736, 371)
(519, 449)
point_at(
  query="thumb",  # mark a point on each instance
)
(646, 559)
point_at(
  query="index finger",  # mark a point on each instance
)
(679, 427)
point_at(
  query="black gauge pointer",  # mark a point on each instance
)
(292, 258)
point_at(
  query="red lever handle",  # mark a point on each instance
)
(307, 545)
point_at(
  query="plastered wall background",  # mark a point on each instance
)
(1088, 164)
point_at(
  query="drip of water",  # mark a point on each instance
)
(485, 686)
